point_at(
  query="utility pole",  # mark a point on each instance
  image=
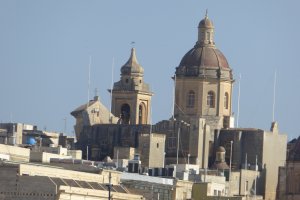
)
(189, 162)
(109, 186)
(178, 135)
(255, 176)
(87, 152)
(231, 142)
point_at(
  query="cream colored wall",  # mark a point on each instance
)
(15, 186)
(274, 144)
(55, 150)
(199, 142)
(250, 176)
(45, 157)
(75, 154)
(225, 87)
(75, 193)
(183, 190)
(16, 153)
(183, 86)
(156, 155)
(201, 88)
(124, 152)
(38, 170)
(19, 134)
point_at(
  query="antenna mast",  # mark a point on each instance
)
(239, 96)
(111, 88)
(174, 90)
(274, 96)
(89, 80)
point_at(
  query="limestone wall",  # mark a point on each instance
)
(15, 187)
(38, 184)
(124, 153)
(274, 156)
(76, 193)
(15, 153)
(39, 170)
(75, 154)
(45, 157)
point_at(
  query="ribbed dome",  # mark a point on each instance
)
(132, 66)
(204, 57)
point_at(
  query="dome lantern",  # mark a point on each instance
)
(206, 32)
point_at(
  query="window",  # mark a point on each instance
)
(226, 100)
(211, 99)
(142, 114)
(190, 99)
(125, 113)
(215, 192)
(157, 145)
(208, 36)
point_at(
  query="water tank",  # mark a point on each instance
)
(31, 141)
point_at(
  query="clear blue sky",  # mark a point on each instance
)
(45, 48)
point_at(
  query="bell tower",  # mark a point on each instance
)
(131, 96)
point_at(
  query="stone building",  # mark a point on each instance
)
(202, 119)
(289, 175)
(99, 132)
(156, 187)
(14, 153)
(34, 182)
(91, 113)
(251, 146)
(11, 133)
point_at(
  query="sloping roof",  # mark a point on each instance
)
(82, 107)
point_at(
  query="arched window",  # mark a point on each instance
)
(142, 113)
(208, 36)
(190, 103)
(226, 100)
(125, 113)
(211, 99)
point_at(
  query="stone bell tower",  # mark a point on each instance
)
(204, 81)
(131, 96)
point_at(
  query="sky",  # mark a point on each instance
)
(45, 47)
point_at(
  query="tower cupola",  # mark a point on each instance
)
(206, 32)
(132, 67)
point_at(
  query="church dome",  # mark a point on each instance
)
(132, 66)
(204, 59)
(201, 56)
